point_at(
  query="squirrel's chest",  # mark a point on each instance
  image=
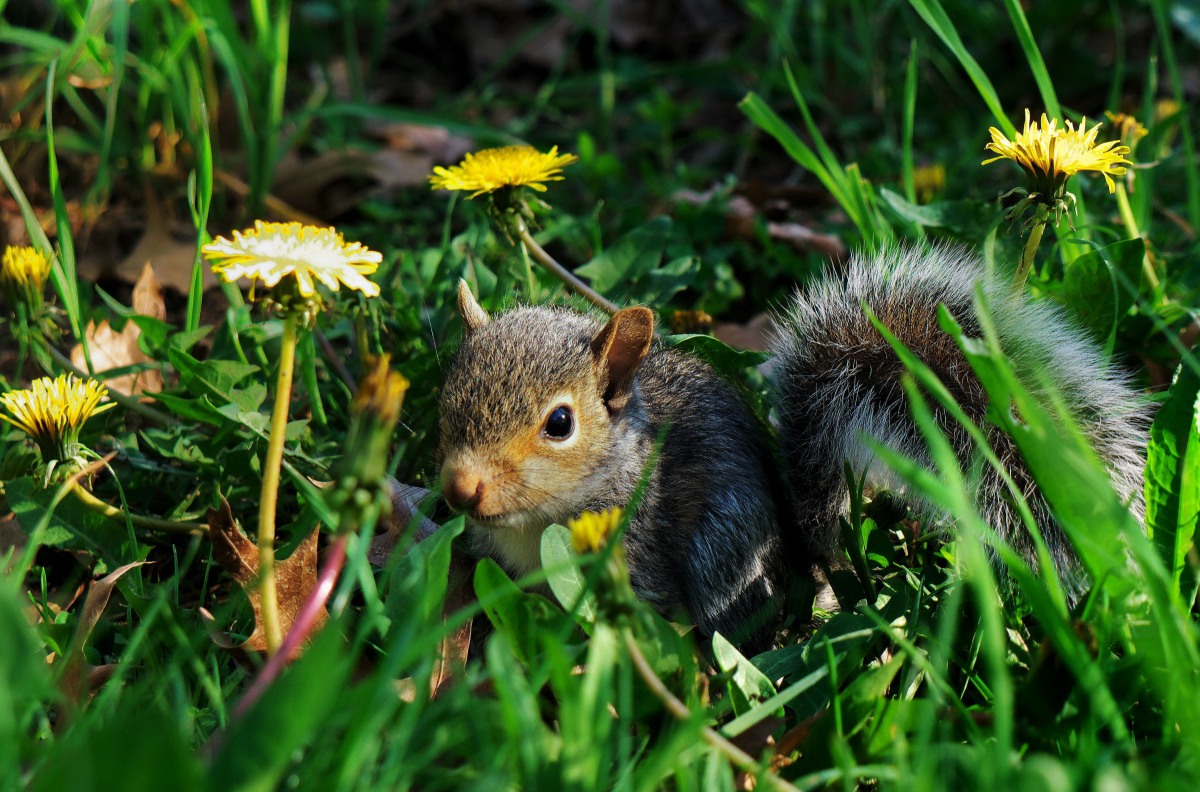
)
(518, 550)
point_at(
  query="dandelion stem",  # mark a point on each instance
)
(677, 708)
(120, 515)
(1031, 246)
(559, 271)
(270, 487)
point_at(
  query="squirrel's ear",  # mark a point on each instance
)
(622, 344)
(473, 316)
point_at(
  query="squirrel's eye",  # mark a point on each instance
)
(559, 424)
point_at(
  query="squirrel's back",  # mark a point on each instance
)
(839, 381)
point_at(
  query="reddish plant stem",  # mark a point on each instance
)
(307, 617)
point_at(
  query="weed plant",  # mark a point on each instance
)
(950, 664)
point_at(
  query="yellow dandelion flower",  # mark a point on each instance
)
(591, 531)
(23, 274)
(928, 181)
(271, 251)
(1129, 129)
(493, 169)
(1050, 154)
(24, 265)
(52, 411)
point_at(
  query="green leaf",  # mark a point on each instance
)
(659, 285)
(967, 219)
(522, 618)
(213, 378)
(564, 576)
(1096, 286)
(417, 587)
(747, 685)
(200, 409)
(24, 679)
(935, 16)
(139, 748)
(717, 353)
(633, 255)
(258, 747)
(1173, 478)
(72, 525)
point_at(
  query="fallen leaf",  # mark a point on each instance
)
(335, 182)
(75, 679)
(110, 349)
(295, 578)
(172, 256)
(456, 644)
(405, 500)
(804, 239)
(754, 335)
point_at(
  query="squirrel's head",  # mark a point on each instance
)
(530, 411)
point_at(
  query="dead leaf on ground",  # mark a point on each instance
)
(171, 254)
(110, 349)
(405, 502)
(456, 644)
(12, 539)
(754, 335)
(295, 579)
(335, 182)
(438, 142)
(77, 677)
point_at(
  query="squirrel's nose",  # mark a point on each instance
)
(462, 489)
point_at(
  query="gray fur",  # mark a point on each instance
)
(838, 382)
(706, 534)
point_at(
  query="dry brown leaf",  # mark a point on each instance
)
(295, 576)
(405, 500)
(438, 142)
(804, 239)
(755, 334)
(110, 349)
(456, 645)
(335, 182)
(12, 538)
(77, 676)
(172, 257)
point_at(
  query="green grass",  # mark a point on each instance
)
(950, 665)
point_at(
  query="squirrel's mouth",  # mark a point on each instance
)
(508, 520)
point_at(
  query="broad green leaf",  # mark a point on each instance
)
(633, 255)
(968, 219)
(1096, 286)
(564, 576)
(522, 618)
(747, 685)
(72, 525)
(717, 353)
(1173, 478)
(659, 285)
(417, 587)
(213, 378)
(257, 749)
(200, 409)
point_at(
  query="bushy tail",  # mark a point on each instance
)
(839, 381)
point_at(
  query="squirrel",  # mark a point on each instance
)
(547, 412)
